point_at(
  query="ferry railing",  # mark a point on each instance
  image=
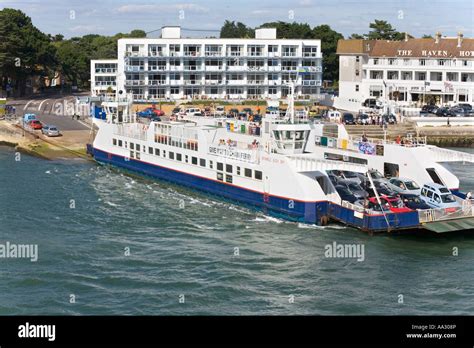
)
(443, 214)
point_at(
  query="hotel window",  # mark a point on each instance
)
(220, 166)
(452, 76)
(202, 162)
(420, 76)
(194, 160)
(120, 143)
(258, 175)
(392, 75)
(114, 141)
(157, 152)
(228, 178)
(228, 168)
(357, 88)
(248, 173)
(442, 62)
(422, 61)
(376, 61)
(407, 75)
(464, 62)
(171, 155)
(357, 72)
(391, 61)
(272, 48)
(436, 76)
(179, 157)
(220, 176)
(357, 59)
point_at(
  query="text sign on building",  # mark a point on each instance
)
(231, 153)
(434, 53)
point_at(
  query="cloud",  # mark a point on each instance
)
(306, 3)
(162, 8)
(86, 29)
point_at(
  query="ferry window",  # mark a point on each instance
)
(228, 168)
(157, 152)
(423, 191)
(258, 175)
(171, 155)
(144, 148)
(429, 194)
(228, 178)
(210, 164)
(220, 166)
(202, 162)
(126, 144)
(150, 150)
(132, 155)
(238, 170)
(434, 176)
(186, 158)
(248, 172)
(220, 176)
(164, 153)
(114, 141)
(179, 157)
(120, 143)
(137, 155)
(132, 146)
(437, 198)
(194, 160)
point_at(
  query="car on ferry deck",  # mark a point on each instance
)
(394, 204)
(381, 187)
(346, 175)
(404, 185)
(413, 201)
(346, 194)
(438, 196)
(354, 188)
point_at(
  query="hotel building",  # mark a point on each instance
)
(406, 71)
(172, 67)
(103, 76)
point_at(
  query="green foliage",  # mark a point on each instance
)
(236, 30)
(382, 30)
(329, 39)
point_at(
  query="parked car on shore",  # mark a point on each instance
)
(457, 112)
(348, 118)
(50, 130)
(390, 119)
(362, 119)
(438, 196)
(35, 124)
(466, 106)
(442, 112)
(219, 110)
(428, 109)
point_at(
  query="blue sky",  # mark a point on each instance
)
(79, 17)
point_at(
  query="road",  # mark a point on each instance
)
(56, 111)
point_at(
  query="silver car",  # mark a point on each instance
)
(50, 130)
(404, 185)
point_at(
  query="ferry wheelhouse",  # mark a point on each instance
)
(279, 165)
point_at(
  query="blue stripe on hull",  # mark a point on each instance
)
(307, 212)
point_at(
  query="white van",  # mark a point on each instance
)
(438, 196)
(192, 112)
(219, 111)
(333, 116)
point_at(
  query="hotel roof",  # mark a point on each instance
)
(444, 48)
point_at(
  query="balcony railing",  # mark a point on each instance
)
(156, 82)
(156, 68)
(193, 82)
(105, 70)
(156, 54)
(192, 54)
(315, 83)
(135, 82)
(133, 68)
(105, 83)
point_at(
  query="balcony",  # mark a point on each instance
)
(213, 82)
(192, 54)
(105, 70)
(312, 83)
(105, 83)
(255, 82)
(175, 82)
(289, 68)
(312, 69)
(236, 68)
(134, 68)
(255, 68)
(213, 68)
(192, 67)
(135, 54)
(157, 68)
(156, 82)
(193, 82)
(213, 54)
(235, 82)
(135, 82)
(156, 54)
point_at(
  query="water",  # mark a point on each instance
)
(183, 243)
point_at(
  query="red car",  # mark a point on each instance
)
(394, 204)
(35, 124)
(157, 112)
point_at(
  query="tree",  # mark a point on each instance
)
(290, 30)
(356, 37)
(25, 51)
(329, 39)
(382, 30)
(235, 30)
(427, 36)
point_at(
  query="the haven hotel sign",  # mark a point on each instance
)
(435, 53)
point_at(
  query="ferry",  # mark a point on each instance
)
(280, 165)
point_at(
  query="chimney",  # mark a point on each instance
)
(437, 37)
(460, 37)
(406, 36)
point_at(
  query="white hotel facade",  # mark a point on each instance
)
(103, 76)
(406, 71)
(175, 68)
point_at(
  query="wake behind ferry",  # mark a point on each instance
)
(293, 168)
